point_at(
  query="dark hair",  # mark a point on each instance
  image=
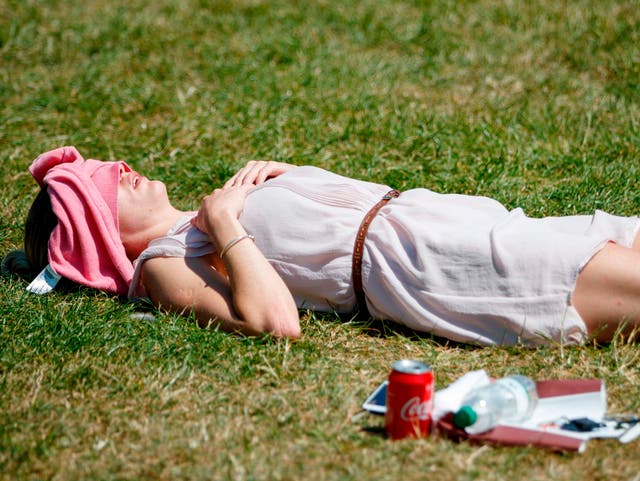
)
(37, 229)
(28, 263)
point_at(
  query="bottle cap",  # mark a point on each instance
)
(465, 416)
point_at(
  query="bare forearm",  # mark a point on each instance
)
(176, 284)
(259, 294)
(260, 297)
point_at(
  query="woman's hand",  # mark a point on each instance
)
(220, 206)
(255, 172)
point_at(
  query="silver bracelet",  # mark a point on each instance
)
(233, 242)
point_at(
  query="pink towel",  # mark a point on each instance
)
(85, 246)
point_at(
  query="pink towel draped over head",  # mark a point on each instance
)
(85, 246)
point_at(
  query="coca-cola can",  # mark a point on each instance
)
(409, 399)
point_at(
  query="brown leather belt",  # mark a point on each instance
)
(358, 249)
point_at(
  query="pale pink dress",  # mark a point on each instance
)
(460, 267)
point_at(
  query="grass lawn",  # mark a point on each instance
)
(535, 103)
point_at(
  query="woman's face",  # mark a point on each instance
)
(140, 201)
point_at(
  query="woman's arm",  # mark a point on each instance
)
(252, 299)
(192, 286)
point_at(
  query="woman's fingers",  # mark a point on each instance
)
(255, 172)
(229, 199)
(247, 174)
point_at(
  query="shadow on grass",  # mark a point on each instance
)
(379, 328)
(378, 431)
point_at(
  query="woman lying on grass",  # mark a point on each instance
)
(277, 237)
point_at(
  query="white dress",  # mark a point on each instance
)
(460, 267)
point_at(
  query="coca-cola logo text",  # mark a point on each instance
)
(414, 409)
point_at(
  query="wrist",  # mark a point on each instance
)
(222, 226)
(227, 232)
(233, 242)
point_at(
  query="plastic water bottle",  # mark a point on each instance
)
(509, 399)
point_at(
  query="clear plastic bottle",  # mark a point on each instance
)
(509, 399)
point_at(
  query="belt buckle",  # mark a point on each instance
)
(392, 194)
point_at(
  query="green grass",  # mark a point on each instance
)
(533, 103)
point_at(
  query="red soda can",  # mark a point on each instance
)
(409, 399)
